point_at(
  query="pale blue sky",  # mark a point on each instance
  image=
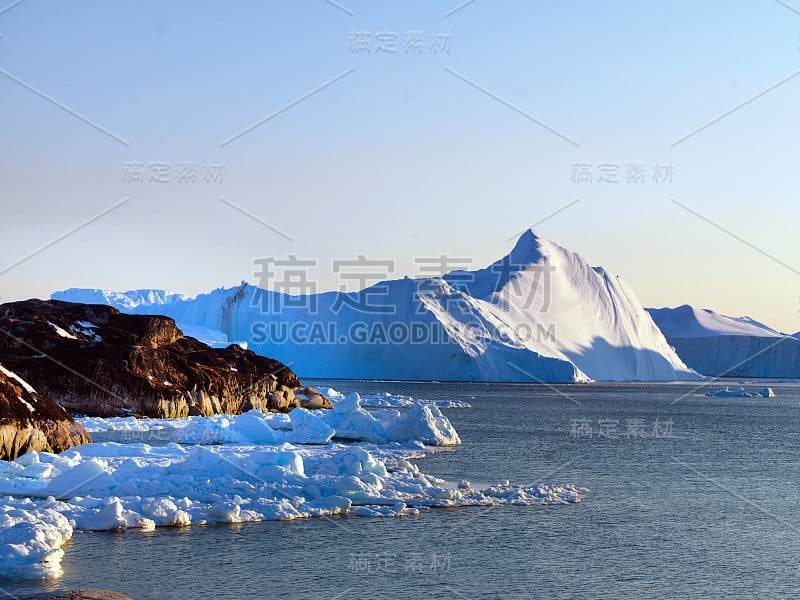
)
(401, 157)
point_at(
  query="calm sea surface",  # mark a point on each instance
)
(691, 497)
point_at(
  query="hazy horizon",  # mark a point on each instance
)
(179, 145)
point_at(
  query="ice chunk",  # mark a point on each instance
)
(113, 515)
(30, 542)
(88, 477)
(212, 430)
(351, 422)
(308, 427)
(254, 427)
(422, 423)
(224, 512)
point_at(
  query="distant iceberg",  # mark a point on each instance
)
(716, 345)
(540, 314)
(740, 392)
(124, 301)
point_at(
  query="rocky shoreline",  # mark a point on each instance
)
(92, 360)
(32, 421)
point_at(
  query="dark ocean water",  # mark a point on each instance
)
(691, 497)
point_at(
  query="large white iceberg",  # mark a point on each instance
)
(717, 345)
(540, 314)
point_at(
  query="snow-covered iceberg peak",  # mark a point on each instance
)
(539, 314)
(576, 312)
(529, 252)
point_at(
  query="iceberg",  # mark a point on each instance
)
(740, 392)
(128, 300)
(540, 314)
(717, 345)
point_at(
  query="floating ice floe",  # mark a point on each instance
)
(232, 469)
(740, 392)
(387, 400)
(348, 420)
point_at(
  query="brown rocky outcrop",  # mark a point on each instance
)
(31, 421)
(94, 360)
(311, 398)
